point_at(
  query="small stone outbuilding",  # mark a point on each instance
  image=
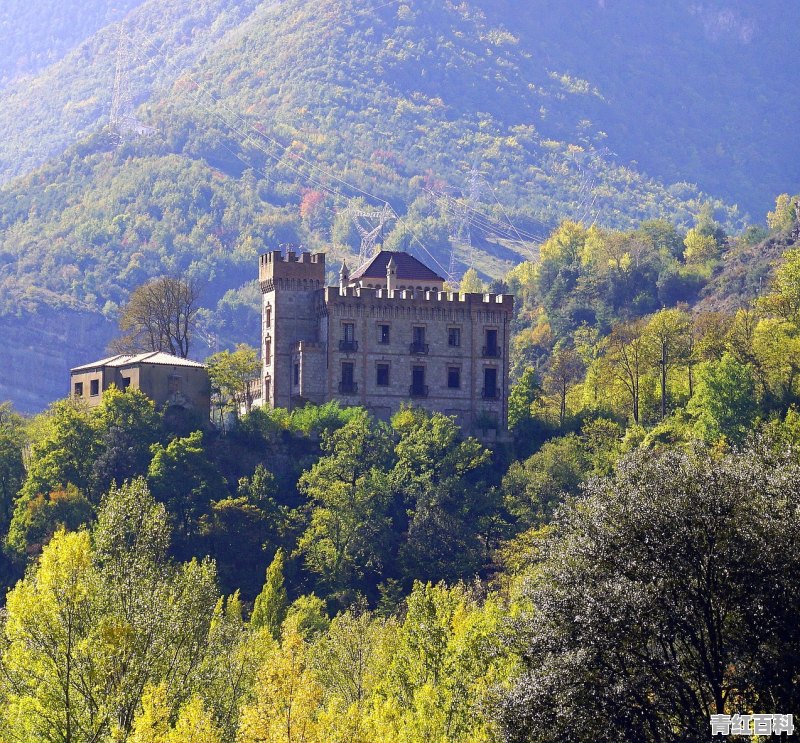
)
(170, 381)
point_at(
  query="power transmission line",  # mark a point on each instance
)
(259, 135)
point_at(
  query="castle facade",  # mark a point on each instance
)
(388, 334)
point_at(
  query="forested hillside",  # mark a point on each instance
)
(263, 130)
(623, 566)
(697, 92)
(322, 571)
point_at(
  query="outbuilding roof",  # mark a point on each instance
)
(159, 358)
(408, 268)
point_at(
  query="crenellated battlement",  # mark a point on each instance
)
(300, 271)
(336, 294)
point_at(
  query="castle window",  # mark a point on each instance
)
(348, 342)
(490, 383)
(382, 375)
(418, 344)
(491, 349)
(296, 374)
(94, 387)
(268, 317)
(454, 337)
(175, 383)
(347, 385)
(267, 351)
(454, 377)
(126, 383)
(383, 333)
(78, 389)
(418, 387)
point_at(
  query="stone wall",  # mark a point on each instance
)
(437, 313)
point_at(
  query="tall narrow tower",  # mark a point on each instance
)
(289, 286)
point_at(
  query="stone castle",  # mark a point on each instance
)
(388, 334)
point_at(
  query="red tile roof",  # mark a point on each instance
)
(408, 268)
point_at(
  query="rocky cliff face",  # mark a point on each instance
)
(37, 352)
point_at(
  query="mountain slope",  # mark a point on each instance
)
(704, 92)
(701, 93)
(43, 114)
(267, 121)
(36, 33)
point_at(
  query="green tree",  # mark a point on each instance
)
(43, 515)
(12, 469)
(183, 478)
(724, 402)
(668, 339)
(625, 357)
(348, 657)
(452, 510)
(521, 399)
(783, 299)
(63, 450)
(533, 489)
(672, 579)
(349, 533)
(232, 376)
(154, 617)
(271, 604)
(128, 425)
(65, 442)
(238, 529)
(565, 368)
(308, 616)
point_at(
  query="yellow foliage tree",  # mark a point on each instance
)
(47, 680)
(471, 283)
(287, 697)
(699, 247)
(194, 725)
(784, 215)
(566, 243)
(152, 724)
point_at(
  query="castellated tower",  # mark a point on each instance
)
(290, 287)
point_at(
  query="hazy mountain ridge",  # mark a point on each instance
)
(37, 33)
(44, 114)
